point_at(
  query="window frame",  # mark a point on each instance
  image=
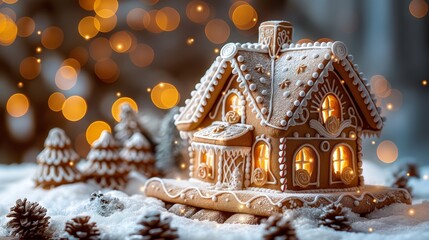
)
(241, 100)
(270, 175)
(340, 107)
(332, 179)
(315, 179)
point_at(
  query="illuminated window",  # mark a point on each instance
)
(233, 104)
(304, 159)
(261, 164)
(206, 164)
(341, 158)
(330, 107)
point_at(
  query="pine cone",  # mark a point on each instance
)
(151, 226)
(28, 221)
(81, 228)
(333, 216)
(278, 227)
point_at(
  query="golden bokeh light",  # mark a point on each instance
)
(95, 129)
(107, 24)
(380, 86)
(418, 8)
(387, 151)
(8, 30)
(137, 17)
(105, 8)
(17, 105)
(88, 27)
(10, 1)
(244, 16)
(25, 26)
(8, 12)
(394, 100)
(167, 19)
(72, 63)
(52, 37)
(425, 82)
(56, 101)
(100, 49)
(87, 4)
(29, 68)
(20, 84)
(107, 70)
(149, 22)
(116, 107)
(121, 41)
(142, 55)
(197, 11)
(80, 54)
(165, 96)
(190, 41)
(66, 77)
(74, 108)
(217, 31)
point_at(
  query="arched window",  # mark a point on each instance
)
(330, 107)
(305, 167)
(206, 165)
(233, 102)
(341, 158)
(262, 174)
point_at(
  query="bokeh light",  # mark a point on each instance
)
(8, 30)
(10, 1)
(167, 19)
(107, 70)
(387, 151)
(121, 41)
(424, 82)
(165, 96)
(95, 129)
(52, 37)
(150, 22)
(88, 27)
(116, 107)
(380, 86)
(142, 55)
(244, 17)
(56, 101)
(25, 26)
(190, 41)
(217, 31)
(394, 100)
(17, 105)
(100, 48)
(137, 17)
(66, 77)
(29, 68)
(72, 63)
(105, 8)
(418, 8)
(324, 40)
(197, 11)
(80, 54)
(8, 12)
(87, 4)
(74, 108)
(106, 24)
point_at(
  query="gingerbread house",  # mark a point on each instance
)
(278, 115)
(273, 126)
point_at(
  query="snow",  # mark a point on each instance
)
(397, 221)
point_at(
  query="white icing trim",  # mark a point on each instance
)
(212, 114)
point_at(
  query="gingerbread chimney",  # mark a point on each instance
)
(274, 34)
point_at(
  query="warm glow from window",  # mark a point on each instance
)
(233, 104)
(304, 159)
(262, 156)
(341, 157)
(208, 158)
(330, 107)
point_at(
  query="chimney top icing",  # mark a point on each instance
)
(274, 34)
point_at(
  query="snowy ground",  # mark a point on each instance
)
(65, 202)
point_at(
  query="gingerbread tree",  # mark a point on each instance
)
(138, 155)
(57, 162)
(128, 125)
(105, 165)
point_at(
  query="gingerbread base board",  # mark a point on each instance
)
(259, 203)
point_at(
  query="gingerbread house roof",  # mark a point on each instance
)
(278, 98)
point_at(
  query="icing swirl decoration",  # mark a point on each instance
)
(302, 178)
(232, 117)
(203, 170)
(259, 177)
(347, 175)
(339, 50)
(332, 124)
(228, 51)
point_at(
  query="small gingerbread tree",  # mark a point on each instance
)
(138, 155)
(128, 125)
(106, 167)
(57, 162)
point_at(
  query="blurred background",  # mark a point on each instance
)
(71, 64)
